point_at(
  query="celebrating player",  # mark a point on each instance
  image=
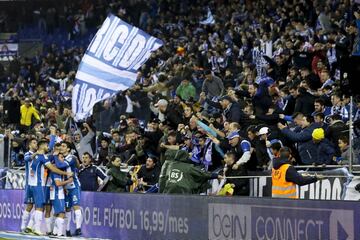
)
(72, 198)
(37, 181)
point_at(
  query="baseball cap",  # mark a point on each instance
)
(27, 100)
(161, 102)
(263, 130)
(233, 135)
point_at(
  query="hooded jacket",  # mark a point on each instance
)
(325, 152)
(27, 113)
(179, 176)
(118, 179)
(291, 174)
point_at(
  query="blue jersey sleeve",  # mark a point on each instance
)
(45, 160)
(71, 160)
(52, 142)
(54, 177)
(59, 164)
(245, 146)
(27, 157)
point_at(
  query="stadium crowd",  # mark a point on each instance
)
(222, 98)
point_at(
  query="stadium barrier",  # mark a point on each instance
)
(155, 216)
(338, 185)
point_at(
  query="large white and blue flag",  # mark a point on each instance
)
(110, 63)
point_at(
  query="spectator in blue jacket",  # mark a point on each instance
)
(302, 137)
(325, 149)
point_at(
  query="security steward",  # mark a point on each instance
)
(285, 177)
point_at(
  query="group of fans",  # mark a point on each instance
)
(256, 84)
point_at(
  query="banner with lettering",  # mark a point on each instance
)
(160, 216)
(110, 63)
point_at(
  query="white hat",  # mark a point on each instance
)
(161, 102)
(263, 130)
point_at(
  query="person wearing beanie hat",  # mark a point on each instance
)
(325, 149)
(318, 134)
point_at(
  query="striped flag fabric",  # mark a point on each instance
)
(110, 64)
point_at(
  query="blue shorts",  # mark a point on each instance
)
(29, 197)
(38, 195)
(58, 205)
(47, 195)
(72, 197)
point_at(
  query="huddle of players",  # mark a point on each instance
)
(51, 183)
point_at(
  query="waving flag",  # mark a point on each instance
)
(110, 64)
(209, 19)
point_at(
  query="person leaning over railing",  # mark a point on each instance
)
(285, 177)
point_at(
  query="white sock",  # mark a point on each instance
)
(78, 218)
(60, 225)
(55, 229)
(68, 220)
(31, 221)
(52, 221)
(24, 220)
(38, 220)
(48, 222)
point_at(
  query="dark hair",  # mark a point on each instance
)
(153, 158)
(309, 118)
(207, 72)
(285, 152)
(320, 115)
(172, 134)
(255, 85)
(57, 144)
(320, 101)
(276, 146)
(114, 157)
(30, 140)
(252, 129)
(68, 145)
(335, 117)
(344, 139)
(88, 154)
(115, 132)
(293, 87)
(43, 141)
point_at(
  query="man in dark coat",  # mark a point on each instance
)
(242, 187)
(149, 172)
(173, 115)
(304, 102)
(231, 110)
(302, 137)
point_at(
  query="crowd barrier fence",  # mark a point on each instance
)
(158, 216)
